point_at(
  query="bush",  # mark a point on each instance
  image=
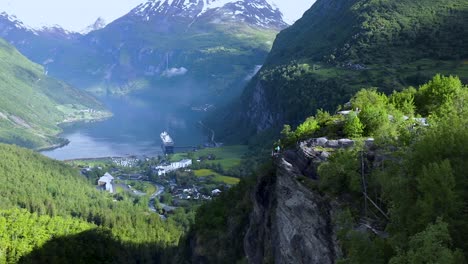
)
(307, 128)
(373, 118)
(353, 127)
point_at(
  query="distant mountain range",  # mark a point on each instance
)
(212, 46)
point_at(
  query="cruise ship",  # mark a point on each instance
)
(167, 144)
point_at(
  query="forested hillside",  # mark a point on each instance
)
(57, 202)
(416, 173)
(339, 47)
(32, 104)
(398, 190)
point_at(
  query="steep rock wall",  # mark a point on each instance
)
(290, 223)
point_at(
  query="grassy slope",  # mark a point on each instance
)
(32, 104)
(217, 177)
(228, 156)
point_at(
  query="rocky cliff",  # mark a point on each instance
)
(291, 223)
(279, 217)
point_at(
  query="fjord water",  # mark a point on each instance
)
(134, 129)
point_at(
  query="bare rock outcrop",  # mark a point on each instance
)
(291, 223)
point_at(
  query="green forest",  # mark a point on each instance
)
(415, 170)
(417, 173)
(44, 200)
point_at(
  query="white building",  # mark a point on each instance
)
(181, 164)
(106, 182)
(162, 170)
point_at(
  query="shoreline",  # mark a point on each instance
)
(103, 158)
(54, 146)
(64, 141)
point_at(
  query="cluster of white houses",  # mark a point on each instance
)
(163, 169)
(106, 182)
(126, 162)
(193, 194)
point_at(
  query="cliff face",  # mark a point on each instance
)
(259, 109)
(280, 217)
(291, 223)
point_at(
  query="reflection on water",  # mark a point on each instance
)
(133, 130)
(83, 145)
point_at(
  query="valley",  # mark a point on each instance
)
(341, 138)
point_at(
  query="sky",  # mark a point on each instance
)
(76, 15)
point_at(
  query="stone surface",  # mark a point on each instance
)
(346, 143)
(332, 144)
(290, 223)
(325, 155)
(321, 141)
(369, 142)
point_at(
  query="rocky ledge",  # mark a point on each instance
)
(291, 223)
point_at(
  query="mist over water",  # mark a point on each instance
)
(135, 127)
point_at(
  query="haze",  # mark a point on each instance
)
(77, 15)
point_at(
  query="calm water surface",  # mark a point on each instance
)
(134, 129)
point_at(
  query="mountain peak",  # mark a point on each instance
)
(259, 13)
(13, 20)
(98, 24)
(55, 29)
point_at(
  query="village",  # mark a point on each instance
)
(182, 180)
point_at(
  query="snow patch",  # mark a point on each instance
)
(173, 72)
(18, 23)
(262, 13)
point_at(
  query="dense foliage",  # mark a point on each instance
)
(55, 193)
(21, 232)
(413, 179)
(376, 32)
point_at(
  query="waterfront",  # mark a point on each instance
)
(133, 130)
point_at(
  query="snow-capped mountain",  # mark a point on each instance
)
(100, 23)
(57, 31)
(214, 45)
(259, 13)
(10, 23)
(14, 30)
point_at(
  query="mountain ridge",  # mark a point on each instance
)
(238, 10)
(135, 53)
(339, 47)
